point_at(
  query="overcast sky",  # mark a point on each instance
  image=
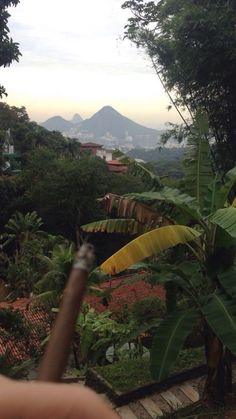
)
(74, 60)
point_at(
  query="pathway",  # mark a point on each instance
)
(160, 404)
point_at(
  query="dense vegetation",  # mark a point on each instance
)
(177, 221)
(203, 271)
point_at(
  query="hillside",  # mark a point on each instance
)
(157, 154)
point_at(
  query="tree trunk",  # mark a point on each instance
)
(214, 391)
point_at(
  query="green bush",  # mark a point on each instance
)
(148, 309)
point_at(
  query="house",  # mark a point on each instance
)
(114, 166)
(96, 150)
(92, 148)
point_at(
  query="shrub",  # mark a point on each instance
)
(148, 309)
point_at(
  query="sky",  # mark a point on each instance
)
(74, 60)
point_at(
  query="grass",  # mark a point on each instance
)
(128, 374)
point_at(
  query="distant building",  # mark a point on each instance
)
(116, 166)
(11, 157)
(96, 150)
(8, 148)
(92, 148)
(105, 154)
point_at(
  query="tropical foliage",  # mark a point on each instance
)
(203, 271)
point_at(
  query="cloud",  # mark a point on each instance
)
(74, 61)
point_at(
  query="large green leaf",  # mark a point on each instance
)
(149, 244)
(197, 164)
(228, 281)
(185, 274)
(152, 181)
(226, 219)
(220, 314)
(223, 193)
(182, 201)
(169, 340)
(125, 226)
(218, 192)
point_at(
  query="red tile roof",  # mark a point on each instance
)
(117, 166)
(116, 163)
(90, 145)
(19, 304)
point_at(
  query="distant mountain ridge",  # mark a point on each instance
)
(57, 123)
(108, 120)
(106, 123)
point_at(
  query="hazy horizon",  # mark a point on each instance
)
(74, 61)
(89, 115)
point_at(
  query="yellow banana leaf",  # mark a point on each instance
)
(234, 203)
(149, 244)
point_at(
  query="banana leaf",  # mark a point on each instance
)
(228, 281)
(223, 193)
(123, 207)
(197, 162)
(226, 219)
(182, 201)
(124, 226)
(220, 314)
(169, 340)
(149, 244)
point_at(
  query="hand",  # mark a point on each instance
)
(31, 400)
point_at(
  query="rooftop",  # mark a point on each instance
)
(91, 145)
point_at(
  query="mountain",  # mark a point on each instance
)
(76, 119)
(108, 127)
(108, 120)
(57, 123)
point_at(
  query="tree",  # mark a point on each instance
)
(64, 191)
(12, 198)
(22, 228)
(192, 46)
(9, 50)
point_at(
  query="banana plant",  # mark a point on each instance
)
(207, 273)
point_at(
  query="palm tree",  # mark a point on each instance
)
(22, 228)
(57, 266)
